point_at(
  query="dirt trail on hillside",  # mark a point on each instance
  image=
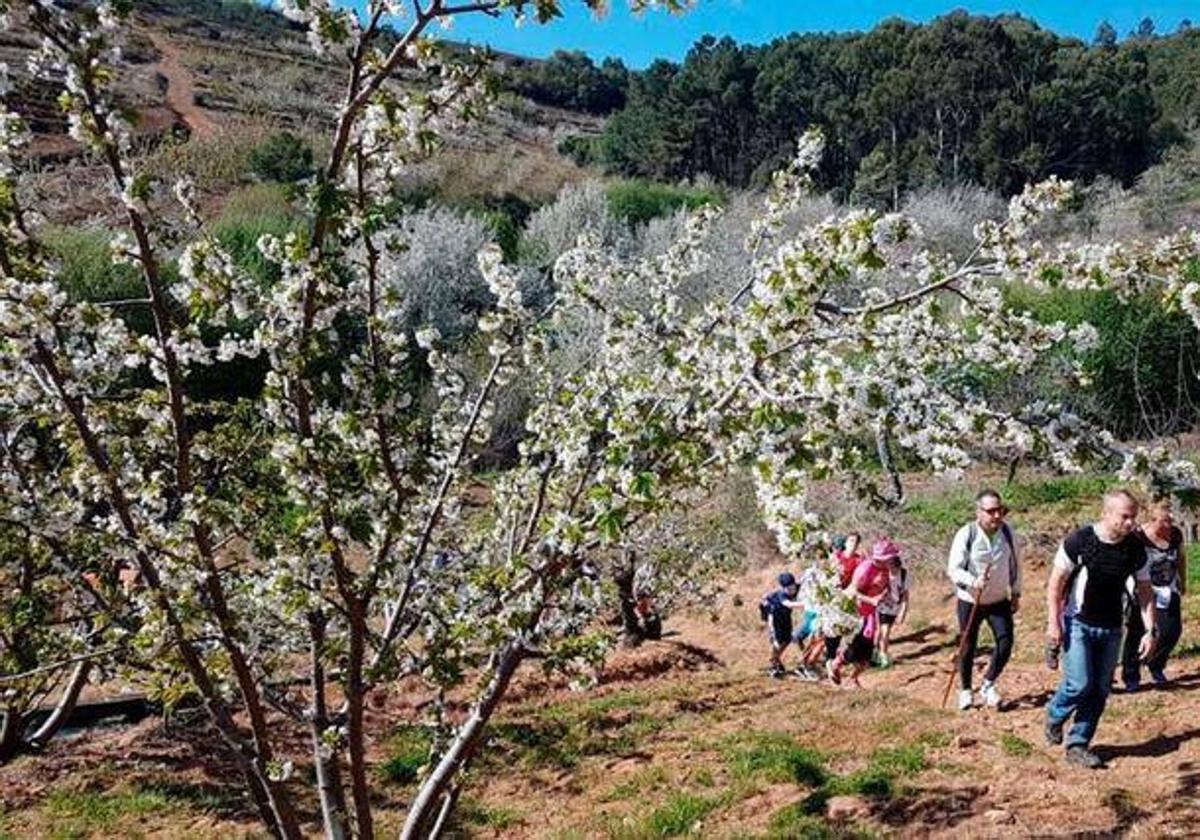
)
(996, 777)
(181, 87)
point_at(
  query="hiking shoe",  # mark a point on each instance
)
(966, 699)
(1132, 685)
(806, 674)
(1054, 732)
(833, 672)
(1158, 676)
(991, 696)
(777, 672)
(1081, 756)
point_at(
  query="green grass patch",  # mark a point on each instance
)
(776, 757)
(792, 822)
(408, 752)
(561, 735)
(250, 214)
(680, 815)
(878, 780)
(82, 813)
(637, 202)
(475, 813)
(1015, 746)
(644, 780)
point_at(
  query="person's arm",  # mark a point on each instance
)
(1016, 578)
(1145, 596)
(855, 591)
(1056, 595)
(958, 570)
(1183, 577)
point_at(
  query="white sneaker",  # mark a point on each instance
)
(966, 699)
(991, 697)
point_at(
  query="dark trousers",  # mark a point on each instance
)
(999, 617)
(1169, 623)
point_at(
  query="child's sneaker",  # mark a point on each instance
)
(885, 661)
(966, 699)
(833, 672)
(806, 674)
(777, 672)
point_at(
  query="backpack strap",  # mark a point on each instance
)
(966, 558)
(1012, 553)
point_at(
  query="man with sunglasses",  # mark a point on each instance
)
(987, 580)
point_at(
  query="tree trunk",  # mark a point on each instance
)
(631, 630)
(360, 789)
(427, 804)
(329, 782)
(10, 734)
(66, 705)
(884, 446)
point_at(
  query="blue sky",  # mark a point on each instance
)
(638, 41)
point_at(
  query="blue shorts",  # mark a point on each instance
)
(779, 628)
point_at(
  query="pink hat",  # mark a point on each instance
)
(884, 550)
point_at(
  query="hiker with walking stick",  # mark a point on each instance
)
(987, 582)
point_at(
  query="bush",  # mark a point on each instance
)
(284, 157)
(1143, 372)
(947, 216)
(583, 149)
(637, 202)
(555, 228)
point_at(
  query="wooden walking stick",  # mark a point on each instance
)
(963, 635)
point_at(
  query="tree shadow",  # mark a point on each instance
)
(1153, 748)
(922, 634)
(933, 807)
(1032, 700)
(925, 650)
(1183, 682)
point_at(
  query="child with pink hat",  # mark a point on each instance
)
(868, 587)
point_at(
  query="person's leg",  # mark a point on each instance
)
(781, 634)
(1131, 668)
(1170, 628)
(831, 647)
(1074, 677)
(1103, 646)
(1000, 620)
(966, 663)
(883, 642)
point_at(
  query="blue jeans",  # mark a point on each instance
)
(1089, 658)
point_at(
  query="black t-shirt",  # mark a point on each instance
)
(1100, 570)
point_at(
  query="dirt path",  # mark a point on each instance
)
(181, 88)
(995, 776)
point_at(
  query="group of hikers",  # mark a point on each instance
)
(1116, 579)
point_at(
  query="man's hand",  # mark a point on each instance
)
(1054, 633)
(1016, 603)
(1146, 648)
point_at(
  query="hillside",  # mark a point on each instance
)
(689, 736)
(202, 93)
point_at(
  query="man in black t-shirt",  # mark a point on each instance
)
(1085, 614)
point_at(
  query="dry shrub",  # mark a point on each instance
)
(218, 162)
(948, 216)
(528, 171)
